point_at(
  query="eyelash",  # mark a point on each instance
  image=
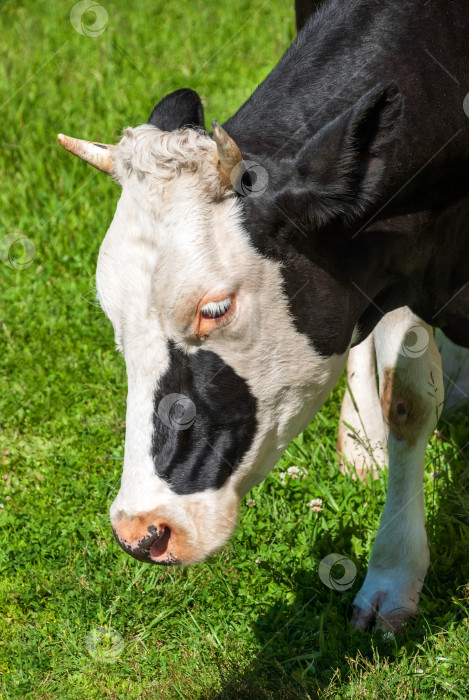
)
(216, 309)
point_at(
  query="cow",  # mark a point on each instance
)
(242, 265)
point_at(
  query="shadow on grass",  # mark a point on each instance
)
(305, 643)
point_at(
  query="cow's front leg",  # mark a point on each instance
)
(411, 392)
(362, 439)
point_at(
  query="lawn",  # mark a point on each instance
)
(79, 618)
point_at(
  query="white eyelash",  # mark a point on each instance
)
(216, 309)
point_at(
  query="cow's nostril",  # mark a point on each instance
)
(158, 549)
(155, 544)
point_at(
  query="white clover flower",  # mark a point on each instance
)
(250, 502)
(258, 560)
(388, 636)
(294, 470)
(316, 505)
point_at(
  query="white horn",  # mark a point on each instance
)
(99, 155)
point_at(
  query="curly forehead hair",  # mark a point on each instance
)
(162, 156)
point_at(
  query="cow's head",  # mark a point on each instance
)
(221, 376)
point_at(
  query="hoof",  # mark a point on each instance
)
(381, 613)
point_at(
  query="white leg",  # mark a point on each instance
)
(362, 438)
(411, 390)
(455, 362)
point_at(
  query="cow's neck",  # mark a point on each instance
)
(348, 48)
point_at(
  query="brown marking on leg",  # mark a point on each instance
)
(405, 409)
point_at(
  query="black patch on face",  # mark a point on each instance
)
(205, 454)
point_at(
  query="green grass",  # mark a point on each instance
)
(255, 621)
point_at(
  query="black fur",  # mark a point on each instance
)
(368, 190)
(180, 108)
(206, 454)
(303, 10)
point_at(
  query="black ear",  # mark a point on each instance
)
(339, 170)
(178, 109)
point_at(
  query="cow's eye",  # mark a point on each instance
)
(216, 309)
(214, 313)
